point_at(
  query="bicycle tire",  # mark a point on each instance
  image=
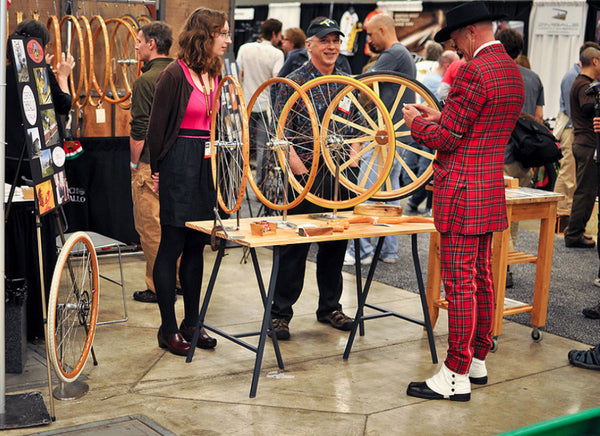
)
(73, 307)
(229, 150)
(283, 140)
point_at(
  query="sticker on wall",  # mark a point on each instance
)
(20, 60)
(42, 82)
(45, 197)
(35, 142)
(46, 163)
(50, 127)
(62, 188)
(58, 156)
(35, 51)
(29, 106)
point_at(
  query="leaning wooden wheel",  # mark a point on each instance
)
(229, 150)
(73, 37)
(144, 19)
(73, 307)
(102, 46)
(395, 89)
(285, 133)
(349, 130)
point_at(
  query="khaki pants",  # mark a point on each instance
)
(565, 182)
(147, 219)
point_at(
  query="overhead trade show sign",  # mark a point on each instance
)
(45, 150)
(558, 20)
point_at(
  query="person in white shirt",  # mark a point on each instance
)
(258, 62)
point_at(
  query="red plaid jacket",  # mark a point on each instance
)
(476, 122)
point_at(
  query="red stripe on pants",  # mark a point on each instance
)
(467, 275)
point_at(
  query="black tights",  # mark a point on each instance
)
(175, 241)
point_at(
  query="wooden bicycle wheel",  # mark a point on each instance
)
(125, 65)
(72, 35)
(282, 132)
(73, 307)
(144, 19)
(54, 46)
(229, 144)
(100, 52)
(131, 20)
(395, 89)
(349, 130)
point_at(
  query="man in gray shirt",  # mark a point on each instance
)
(393, 56)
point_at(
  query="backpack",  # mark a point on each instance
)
(533, 144)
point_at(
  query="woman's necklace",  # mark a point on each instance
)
(207, 95)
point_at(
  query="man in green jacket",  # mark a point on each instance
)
(154, 42)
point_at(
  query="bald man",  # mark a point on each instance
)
(393, 56)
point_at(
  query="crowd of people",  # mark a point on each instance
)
(484, 89)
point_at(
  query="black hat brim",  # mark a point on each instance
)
(326, 32)
(444, 34)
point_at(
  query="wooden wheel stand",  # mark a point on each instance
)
(521, 204)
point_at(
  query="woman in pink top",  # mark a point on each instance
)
(178, 134)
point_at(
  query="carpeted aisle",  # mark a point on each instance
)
(571, 288)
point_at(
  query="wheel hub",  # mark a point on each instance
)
(381, 137)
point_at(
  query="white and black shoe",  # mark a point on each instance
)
(478, 372)
(445, 385)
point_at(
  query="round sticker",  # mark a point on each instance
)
(29, 106)
(58, 156)
(35, 51)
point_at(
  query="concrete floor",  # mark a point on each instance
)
(319, 392)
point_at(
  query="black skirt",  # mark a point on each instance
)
(186, 188)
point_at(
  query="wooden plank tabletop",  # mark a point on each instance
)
(290, 236)
(531, 195)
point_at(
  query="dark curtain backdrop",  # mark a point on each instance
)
(590, 28)
(100, 188)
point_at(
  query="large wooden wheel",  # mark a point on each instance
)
(283, 132)
(353, 122)
(72, 35)
(100, 44)
(395, 89)
(124, 61)
(229, 144)
(54, 46)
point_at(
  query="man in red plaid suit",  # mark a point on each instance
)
(470, 136)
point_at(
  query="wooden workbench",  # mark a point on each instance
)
(521, 204)
(286, 236)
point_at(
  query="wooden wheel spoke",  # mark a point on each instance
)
(352, 124)
(362, 110)
(418, 151)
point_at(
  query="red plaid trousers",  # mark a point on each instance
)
(467, 275)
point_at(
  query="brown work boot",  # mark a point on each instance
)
(338, 320)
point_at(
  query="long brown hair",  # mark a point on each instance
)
(197, 39)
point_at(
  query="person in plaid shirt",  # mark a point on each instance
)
(470, 135)
(324, 45)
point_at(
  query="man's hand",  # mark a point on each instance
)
(155, 180)
(597, 124)
(411, 111)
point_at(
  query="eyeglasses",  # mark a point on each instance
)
(225, 35)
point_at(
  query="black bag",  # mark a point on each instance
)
(533, 144)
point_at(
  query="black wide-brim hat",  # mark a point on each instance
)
(469, 12)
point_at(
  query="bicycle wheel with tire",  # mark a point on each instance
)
(395, 89)
(73, 307)
(282, 132)
(353, 124)
(229, 144)
(101, 66)
(72, 35)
